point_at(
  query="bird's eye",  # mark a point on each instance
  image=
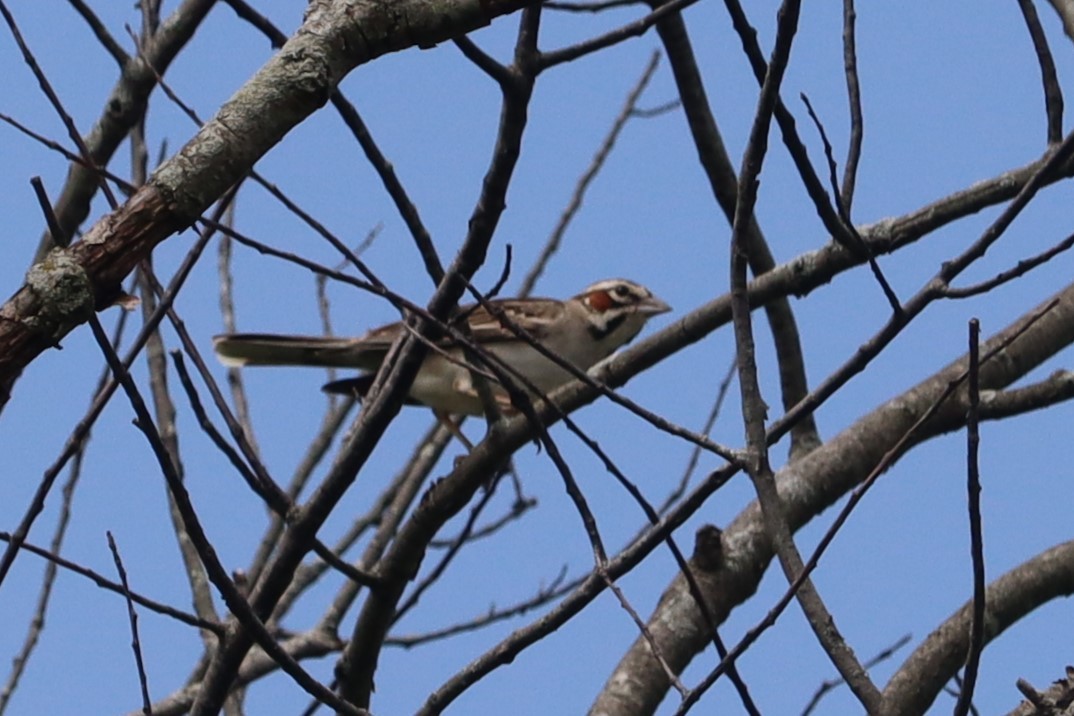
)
(621, 291)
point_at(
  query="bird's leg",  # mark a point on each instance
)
(452, 426)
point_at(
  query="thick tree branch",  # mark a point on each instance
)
(123, 109)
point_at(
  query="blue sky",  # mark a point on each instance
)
(951, 97)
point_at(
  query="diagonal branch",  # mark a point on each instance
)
(123, 109)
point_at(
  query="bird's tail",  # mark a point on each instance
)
(241, 349)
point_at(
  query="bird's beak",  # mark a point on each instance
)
(653, 306)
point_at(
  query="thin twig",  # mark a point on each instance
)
(132, 616)
(234, 599)
(227, 315)
(101, 32)
(633, 29)
(519, 507)
(955, 693)
(469, 49)
(557, 588)
(53, 98)
(591, 7)
(124, 186)
(650, 112)
(58, 236)
(1053, 92)
(101, 399)
(814, 186)
(857, 119)
(257, 479)
(695, 453)
(354, 122)
(597, 163)
(753, 406)
(973, 497)
(104, 583)
(406, 207)
(723, 180)
(827, 686)
(646, 634)
(1023, 267)
(857, 243)
(448, 557)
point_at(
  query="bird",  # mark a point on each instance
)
(581, 330)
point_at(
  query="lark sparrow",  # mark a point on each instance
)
(582, 330)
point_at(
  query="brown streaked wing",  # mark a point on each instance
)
(532, 314)
(381, 337)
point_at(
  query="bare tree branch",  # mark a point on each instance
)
(136, 643)
(1053, 93)
(973, 507)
